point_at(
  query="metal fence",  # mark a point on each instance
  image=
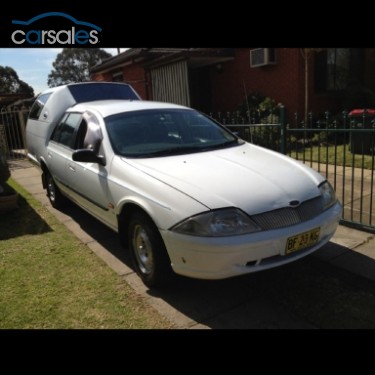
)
(340, 147)
(12, 132)
(266, 131)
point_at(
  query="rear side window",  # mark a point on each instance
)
(64, 132)
(101, 91)
(38, 105)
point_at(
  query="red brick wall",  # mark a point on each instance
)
(282, 82)
(107, 77)
(135, 75)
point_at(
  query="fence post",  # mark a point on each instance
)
(282, 130)
(21, 119)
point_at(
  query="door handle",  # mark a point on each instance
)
(71, 167)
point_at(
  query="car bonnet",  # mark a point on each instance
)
(248, 177)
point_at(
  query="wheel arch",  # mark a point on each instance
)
(140, 235)
(124, 217)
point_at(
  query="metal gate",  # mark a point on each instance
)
(13, 132)
(341, 148)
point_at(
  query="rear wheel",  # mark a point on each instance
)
(55, 197)
(148, 252)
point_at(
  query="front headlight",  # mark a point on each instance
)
(218, 223)
(328, 195)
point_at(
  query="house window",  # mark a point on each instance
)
(338, 60)
(118, 77)
(332, 69)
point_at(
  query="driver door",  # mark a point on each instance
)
(89, 180)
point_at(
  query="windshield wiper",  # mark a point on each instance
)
(184, 150)
(228, 144)
(173, 151)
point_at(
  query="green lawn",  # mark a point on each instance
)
(49, 279)
(319, 154)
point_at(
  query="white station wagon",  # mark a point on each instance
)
(183, 192)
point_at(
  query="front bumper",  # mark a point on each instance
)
(223, 257)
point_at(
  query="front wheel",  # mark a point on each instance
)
(55, 197)
(148, 252)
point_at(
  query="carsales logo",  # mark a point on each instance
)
(77, 33)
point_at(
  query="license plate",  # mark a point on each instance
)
(301, 241)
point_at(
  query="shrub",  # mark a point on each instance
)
(263, 110)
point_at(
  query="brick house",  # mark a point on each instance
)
(213, 79)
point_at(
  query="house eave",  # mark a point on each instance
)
(152, 57)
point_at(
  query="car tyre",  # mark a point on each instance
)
(148, 252)
(55, 197)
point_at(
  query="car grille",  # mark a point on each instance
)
(287, 216)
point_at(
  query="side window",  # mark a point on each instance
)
(57, 131)
(38, 105)
(65, 131)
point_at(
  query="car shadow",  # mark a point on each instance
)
(97, 231)
(22, 221)
(308, 293)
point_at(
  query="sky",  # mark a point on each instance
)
(34, 64)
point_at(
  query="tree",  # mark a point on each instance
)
(11, 84)
(74, 64)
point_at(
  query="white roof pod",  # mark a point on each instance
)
(51, 104)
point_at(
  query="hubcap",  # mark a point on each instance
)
(143, 250)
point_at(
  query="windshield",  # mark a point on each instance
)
(164, 132)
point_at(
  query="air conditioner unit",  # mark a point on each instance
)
(262, 57)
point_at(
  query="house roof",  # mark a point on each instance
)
(149, 57)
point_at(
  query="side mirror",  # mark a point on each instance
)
(88, 156)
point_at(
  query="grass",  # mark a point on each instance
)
(336, 155)
(49, 279)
